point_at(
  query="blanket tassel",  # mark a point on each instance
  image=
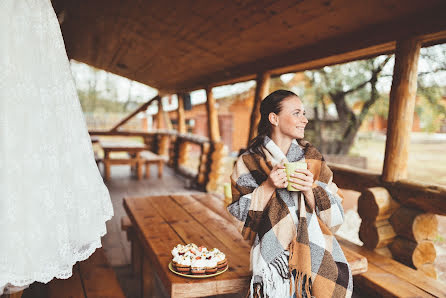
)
(302, 284)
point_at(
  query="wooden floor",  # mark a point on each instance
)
(116, 246)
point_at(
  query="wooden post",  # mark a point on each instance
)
(262, 89)
(181, 115)
(401, 109)
(160, 123)
(214, 132)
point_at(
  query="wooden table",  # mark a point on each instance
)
(132, 148)
(161, 222)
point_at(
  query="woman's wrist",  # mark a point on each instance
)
(309, 197)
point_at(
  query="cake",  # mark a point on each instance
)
(198, 266)
(211, 265)
(176, 249)
(183, 264)
(197, 260)
(221, 260)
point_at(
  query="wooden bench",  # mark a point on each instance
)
(149, 158)
(386, 277)
(92, 278)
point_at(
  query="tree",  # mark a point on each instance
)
(343, 96)
(346, 86)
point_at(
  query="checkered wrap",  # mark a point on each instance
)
(288, 238)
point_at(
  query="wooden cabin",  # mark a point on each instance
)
(182, 46)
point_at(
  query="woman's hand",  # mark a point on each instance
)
(277, 178)
(302, 180)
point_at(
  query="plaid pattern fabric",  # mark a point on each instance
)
(291, 242)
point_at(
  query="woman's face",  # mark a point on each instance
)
(291, 119)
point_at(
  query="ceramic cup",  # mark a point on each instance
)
(290, 167)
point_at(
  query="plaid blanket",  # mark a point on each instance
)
(294, 252)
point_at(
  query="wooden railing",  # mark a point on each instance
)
(176, 147)
(398, 218)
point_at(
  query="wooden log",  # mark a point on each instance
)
(159, 118)
(215, 175)
(140, 109)
(163, 145)
(376, 234)
(429, 198)
(183, 153)
(414, 224)
(376, 204)
(173, 151)
(384, 251)
(214, 132)
(262, 89)
(429, 270)
(353, 178)
(413, 254)
(203, 169)
(426, 197)
(401, 109)
(181, 114)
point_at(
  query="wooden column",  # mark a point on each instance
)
(401, 109)
(181, 114)
(162, 119)
(214, 132)
(262, 89)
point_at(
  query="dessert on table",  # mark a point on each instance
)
(197, 260)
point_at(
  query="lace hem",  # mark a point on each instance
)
(22, 282)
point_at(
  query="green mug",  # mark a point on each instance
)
(290, 167)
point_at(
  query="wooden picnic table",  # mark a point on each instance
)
(162, 222)
(131, 147)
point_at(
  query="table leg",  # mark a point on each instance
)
(160, 169)
(139, 169)
(139, 164)
(147, 170)
(137, 257)
(147, 278)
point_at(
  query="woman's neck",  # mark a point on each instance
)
(282, 142)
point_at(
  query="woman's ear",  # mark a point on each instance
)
(273, 118)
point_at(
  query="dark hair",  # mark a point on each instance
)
(271, 104)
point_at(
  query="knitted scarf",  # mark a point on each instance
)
(293, 248)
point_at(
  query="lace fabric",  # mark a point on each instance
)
(53, 202)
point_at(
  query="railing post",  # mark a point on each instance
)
(214, 132)
(262, 89)
(401, 109)
(218, 150)
(181, 114)
(184, 146)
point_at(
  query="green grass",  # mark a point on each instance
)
(427, 162)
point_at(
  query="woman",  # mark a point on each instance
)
(293, 249)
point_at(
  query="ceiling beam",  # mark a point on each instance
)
(372, 41)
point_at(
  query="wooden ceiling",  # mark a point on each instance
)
(181, 45)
